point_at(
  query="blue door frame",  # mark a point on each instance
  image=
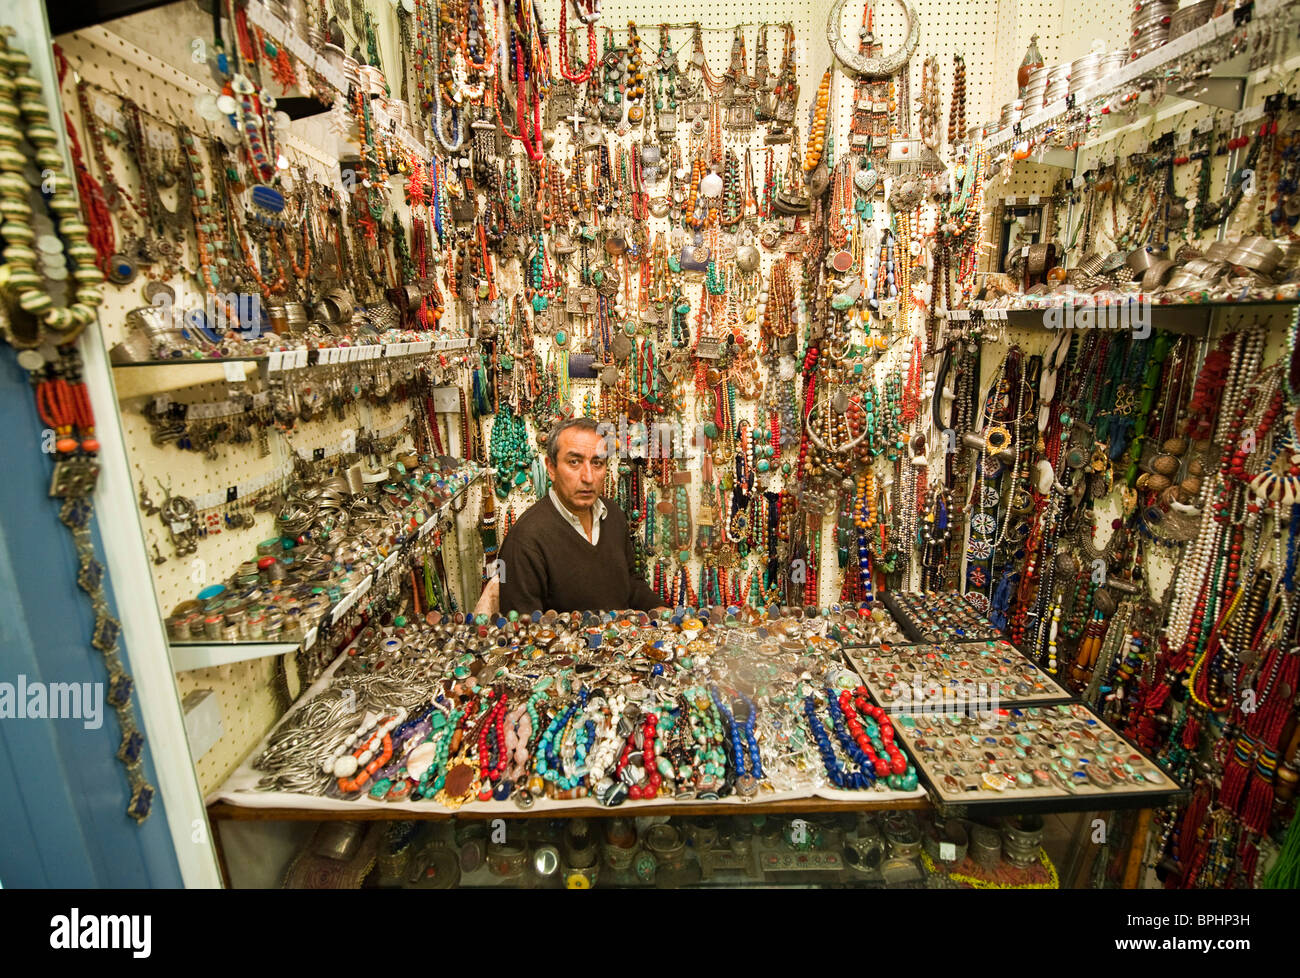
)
(63, 794)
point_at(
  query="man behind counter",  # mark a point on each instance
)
(571, 551)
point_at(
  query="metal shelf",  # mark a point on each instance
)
(1191, 318)
(323, 356)
(186, 656)
(204, 655)
(1214, 92)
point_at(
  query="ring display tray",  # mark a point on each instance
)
(1072, 761)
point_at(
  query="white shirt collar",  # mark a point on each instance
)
(598, 512)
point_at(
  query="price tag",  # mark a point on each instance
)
(1247, 116)
(349, 440)
(362, 589)
(274, 361)
(1034, 199)
(1024, 252)
(302, 358)
(234, 371)
(309, 639)
(427, 526)
(947, 851)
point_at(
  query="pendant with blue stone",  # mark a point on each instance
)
(131, 749)
(106, 633)
(91, 576)
(141, 803)
(121, 268)
(119, 690)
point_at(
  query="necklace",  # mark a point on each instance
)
(25, 283)
(929, 107)
(747, 762)
(845, 779)
(64, 404)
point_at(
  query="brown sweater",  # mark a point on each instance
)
(549, 566)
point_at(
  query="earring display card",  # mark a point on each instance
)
(985, 676)
(1031, 760)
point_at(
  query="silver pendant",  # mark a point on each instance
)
(121, 269)
(621, 347)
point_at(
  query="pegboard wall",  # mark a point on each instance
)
(164, 80)
(152, 56)
(1159, 565)
(1100, 21)
(1122, 134)
(165, 93)
(812, 57)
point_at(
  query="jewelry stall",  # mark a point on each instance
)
(946, 358)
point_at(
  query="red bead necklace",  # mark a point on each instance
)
(855, 703)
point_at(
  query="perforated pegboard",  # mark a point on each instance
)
(991, 34)
(249, 706)
(164, 81)
(1106, 21)
(162, 84)
(1159, 565)
(948, 28)
(812, 58)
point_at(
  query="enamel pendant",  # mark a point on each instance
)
(121, 269)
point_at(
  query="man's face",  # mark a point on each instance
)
(579, 470)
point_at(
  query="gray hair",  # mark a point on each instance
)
(553, 442)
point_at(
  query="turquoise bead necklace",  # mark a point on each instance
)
(510, 453)
(444, 728)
